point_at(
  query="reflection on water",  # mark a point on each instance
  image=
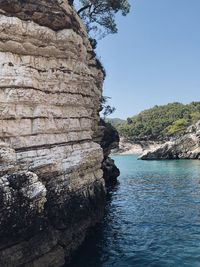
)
(152, 217)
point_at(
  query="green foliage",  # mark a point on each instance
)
(116, 122)
(161, 122)
(177, 127)
(108, 110)
(93, 43)
(105, 108)
(195, 116)
(99, 15)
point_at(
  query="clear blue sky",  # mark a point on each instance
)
(155, 57)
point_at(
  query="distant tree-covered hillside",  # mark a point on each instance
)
(116, 122)
(160, 122)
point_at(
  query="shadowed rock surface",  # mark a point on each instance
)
(184, 147)
(51, 180)
(109, 139)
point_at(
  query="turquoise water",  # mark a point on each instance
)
(152, 217)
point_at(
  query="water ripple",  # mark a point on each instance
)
(152, 218)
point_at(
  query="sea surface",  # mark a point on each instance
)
(152, 217)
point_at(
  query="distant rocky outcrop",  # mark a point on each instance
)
(52, 186)
(127, 146)
(185, 147)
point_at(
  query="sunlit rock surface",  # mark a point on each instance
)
(51, 179)
(184, 147)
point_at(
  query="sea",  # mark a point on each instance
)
(152, 217)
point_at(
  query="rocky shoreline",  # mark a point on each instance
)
(130, 147)
(186, 146)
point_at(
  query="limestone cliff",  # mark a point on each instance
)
(184, 147)
(51, 180)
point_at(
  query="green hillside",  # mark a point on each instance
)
(160, 122)
(115, 121)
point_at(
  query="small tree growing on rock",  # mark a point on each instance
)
(99, 15)
(105, 108)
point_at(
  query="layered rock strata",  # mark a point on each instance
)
(185, 147)
(51, 180)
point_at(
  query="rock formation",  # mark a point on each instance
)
(51, 180)
(127, 146)
(109, 140)
(184, 147)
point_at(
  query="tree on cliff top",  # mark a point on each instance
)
(99, 15)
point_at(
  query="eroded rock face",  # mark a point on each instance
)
(51, 179)
(109, 139)
(54, 14)
(185, 147)
(22, 200)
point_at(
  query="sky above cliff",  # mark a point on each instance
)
(155, 57)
